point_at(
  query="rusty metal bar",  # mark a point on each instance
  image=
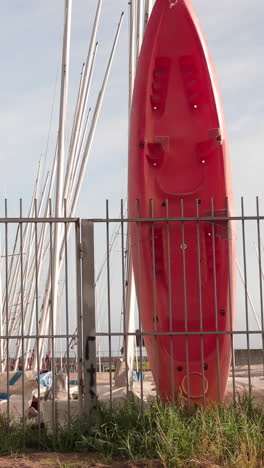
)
(79, 312)
(88, 303)
(109, 304)
(246, 292)
(200, 298)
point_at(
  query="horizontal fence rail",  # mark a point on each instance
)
(148, 307)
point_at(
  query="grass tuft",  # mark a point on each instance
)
(203, 437)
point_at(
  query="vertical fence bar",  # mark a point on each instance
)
(1, 312)
(22, 320)
(216, 304)
(183, 247)
(246, 290)
(170, 300)
(230, 294)
(88, 300)
(7, 313)
(67, 310)
(154, 289)
(51, 323)
(198, 239)
(109, 303)
(138, 240)
(80, 357)
(260, 280)
(123, 291)
(37, 312)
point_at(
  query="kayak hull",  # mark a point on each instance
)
(179, 168)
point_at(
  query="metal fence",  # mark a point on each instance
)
(88, 344)
(243, 315)
(38, 333)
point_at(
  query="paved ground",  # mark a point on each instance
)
(240, 380)
(68, 460)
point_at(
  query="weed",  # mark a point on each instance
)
(209, 437)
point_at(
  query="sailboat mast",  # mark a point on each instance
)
(61, 157)
(63, 108)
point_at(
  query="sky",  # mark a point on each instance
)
(30, 55)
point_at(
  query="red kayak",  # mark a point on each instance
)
(179, 168)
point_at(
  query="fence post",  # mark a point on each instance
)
(88, 300)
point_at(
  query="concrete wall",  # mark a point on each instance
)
(241, 356)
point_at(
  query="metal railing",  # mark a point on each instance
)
(96, 336)
(37, 340)
(246, 334)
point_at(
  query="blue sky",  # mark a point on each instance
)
(30, 54)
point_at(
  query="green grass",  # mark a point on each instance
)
(219, 436)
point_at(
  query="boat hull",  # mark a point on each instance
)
(179, 168)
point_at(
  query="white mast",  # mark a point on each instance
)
(13, 273)
(81, 148)
(74, 156)
(29, 276)
(132, 19)
(41, 255)
(83, 97)
(94, 121)
(130, 303)
(43, 321)
(139, 37)
(138, 18)
(148, 9)
(63, 108)
(61, 155)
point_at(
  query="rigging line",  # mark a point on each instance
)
(101, 288)
(113, 239)
(248, 296)
(99, 338)
(77, 159)
(258, 257)
(76, 107)
(102, 303)
(86, 95)
(72, 341)
(120, 326)
(112, 243)
(101, 293)
(100, 285)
